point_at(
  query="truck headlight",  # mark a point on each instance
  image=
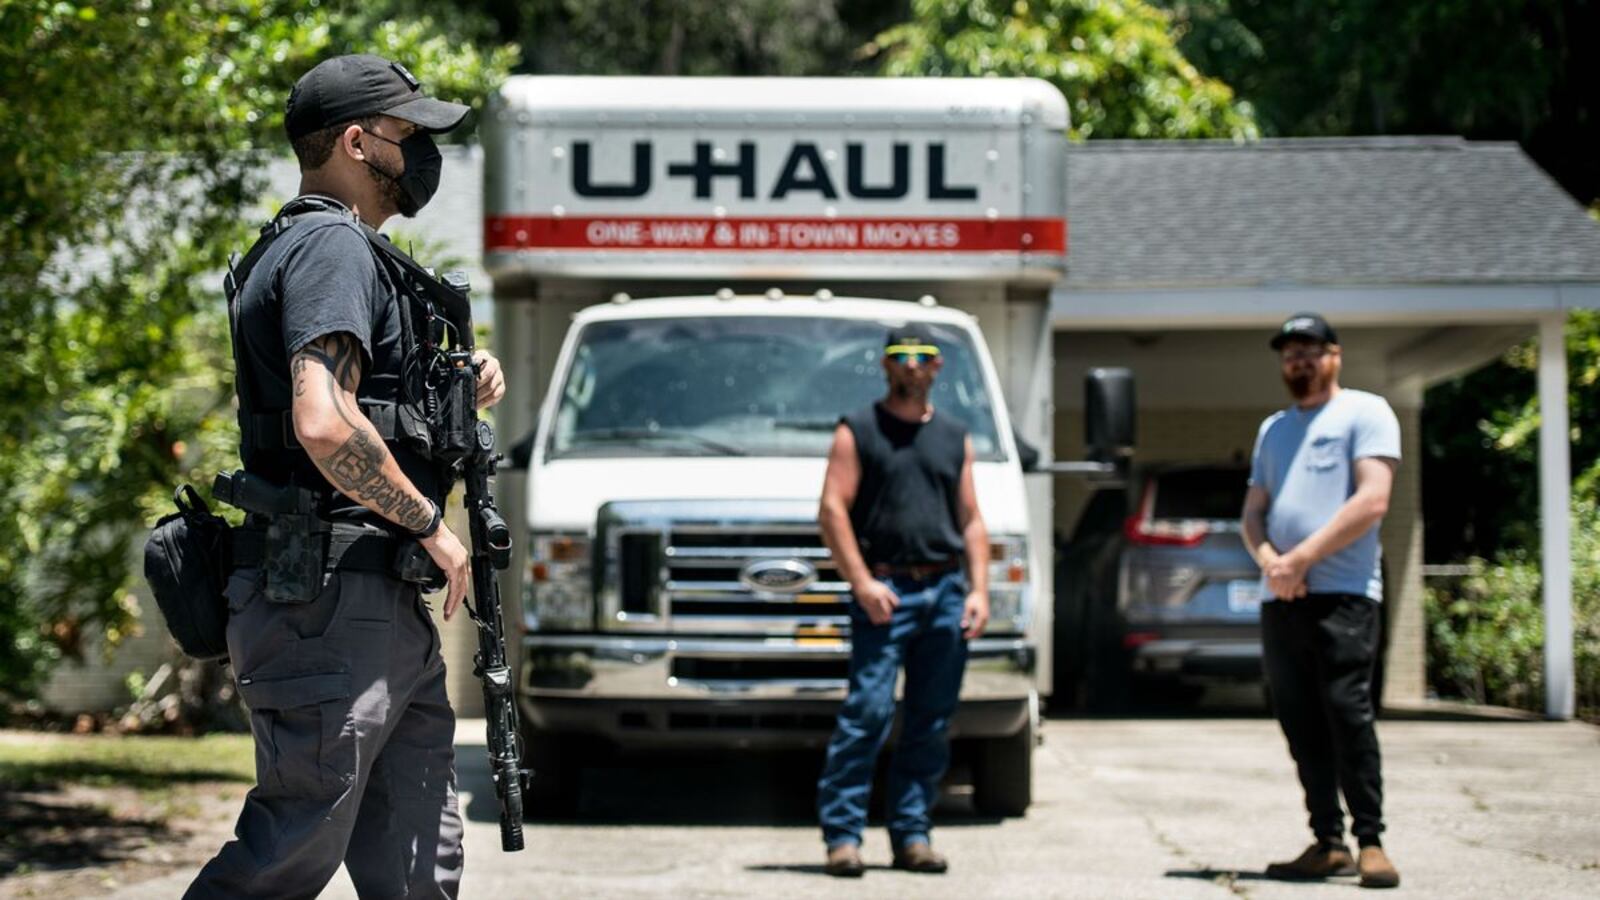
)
(558, 590)
(1008, 583)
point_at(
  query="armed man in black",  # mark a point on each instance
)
(336, 655)
(900, 514)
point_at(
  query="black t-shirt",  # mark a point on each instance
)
(906, 510)
(319, 278)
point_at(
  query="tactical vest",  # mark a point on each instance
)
(406, 423)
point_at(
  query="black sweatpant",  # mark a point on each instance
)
(1318, 653)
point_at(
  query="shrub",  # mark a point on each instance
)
(1486, 628)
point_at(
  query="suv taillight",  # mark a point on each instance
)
(1143, 528)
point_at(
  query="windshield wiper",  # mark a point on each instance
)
(649, 434)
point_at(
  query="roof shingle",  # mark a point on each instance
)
(1345, 211)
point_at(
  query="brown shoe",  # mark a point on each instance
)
(1321, 860)
(1376, 869)
(844, 861)
(919, 857)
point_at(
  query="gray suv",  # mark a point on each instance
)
(1155, 582)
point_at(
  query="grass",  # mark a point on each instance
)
(32, 760)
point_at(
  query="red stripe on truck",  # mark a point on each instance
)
(634, 233)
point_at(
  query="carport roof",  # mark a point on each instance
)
(1342, 212)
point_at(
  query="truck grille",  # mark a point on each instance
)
(670, 572)
(707, 587)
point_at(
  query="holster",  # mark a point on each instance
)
(294, 556)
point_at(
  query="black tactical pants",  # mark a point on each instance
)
(1318, 653)
(355, 758)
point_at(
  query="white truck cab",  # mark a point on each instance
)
(675, 590)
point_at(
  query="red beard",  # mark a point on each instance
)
(1303, 384)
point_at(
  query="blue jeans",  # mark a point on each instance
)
(924, 636)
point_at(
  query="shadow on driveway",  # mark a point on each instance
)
(755, 788)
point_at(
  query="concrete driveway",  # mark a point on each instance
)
(1164, 808)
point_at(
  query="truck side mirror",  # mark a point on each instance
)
(522, 451)
(1027, 454)
(1108, 414)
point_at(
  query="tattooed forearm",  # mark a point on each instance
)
(356, 469)
(326, 373)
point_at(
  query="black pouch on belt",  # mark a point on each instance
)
(294, 550)
(294, 557)
(186, 562)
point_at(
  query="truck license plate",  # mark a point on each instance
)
(1244, 596)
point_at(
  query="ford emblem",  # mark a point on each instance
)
(782, 576)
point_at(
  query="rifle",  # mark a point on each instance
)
(464, 445)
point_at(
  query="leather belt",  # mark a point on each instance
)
(918, 571)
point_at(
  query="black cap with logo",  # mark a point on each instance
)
(344, 88)
(910, 337)
(1307, 325)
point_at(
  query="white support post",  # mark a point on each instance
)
(1555, 495)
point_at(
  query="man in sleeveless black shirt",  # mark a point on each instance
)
(900, 514)
(354, 733)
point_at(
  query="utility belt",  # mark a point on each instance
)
(351, 546)
(293, 547)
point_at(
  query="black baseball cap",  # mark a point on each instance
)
(1306, 325)
(343, 88)
(912, 340)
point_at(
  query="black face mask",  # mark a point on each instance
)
(420, 178)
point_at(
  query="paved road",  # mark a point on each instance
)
(1167, 808)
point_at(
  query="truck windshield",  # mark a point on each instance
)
(744, 386)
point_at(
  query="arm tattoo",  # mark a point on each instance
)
(356, 469)
(340, 358)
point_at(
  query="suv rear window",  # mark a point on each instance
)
(1200, 494)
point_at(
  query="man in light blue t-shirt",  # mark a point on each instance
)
(1320, 480)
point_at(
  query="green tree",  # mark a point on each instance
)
(1483, 429)
(126, 181)
(1486, 628)
(689, 37)
(1115, 60)
(1486, 69)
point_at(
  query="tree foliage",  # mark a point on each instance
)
(1486, 629)
(123, 189)
(1115, 60)
(1482, 429)
(689, 37)
(1486, 69)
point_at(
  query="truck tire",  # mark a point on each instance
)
(1002, 774)
(554, 785)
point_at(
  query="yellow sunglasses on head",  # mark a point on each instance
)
(905, 353)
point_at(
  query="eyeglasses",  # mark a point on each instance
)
(1303, 353)
(904, 354)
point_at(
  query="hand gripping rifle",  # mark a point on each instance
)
(464, 445)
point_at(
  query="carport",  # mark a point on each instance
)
(1431, 256)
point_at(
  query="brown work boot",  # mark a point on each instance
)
(1324, 859)
(844, 861)
(919, 857)
(1376, 869)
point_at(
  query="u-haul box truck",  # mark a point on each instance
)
(692, 282)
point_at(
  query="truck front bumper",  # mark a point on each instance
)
(738, 692)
